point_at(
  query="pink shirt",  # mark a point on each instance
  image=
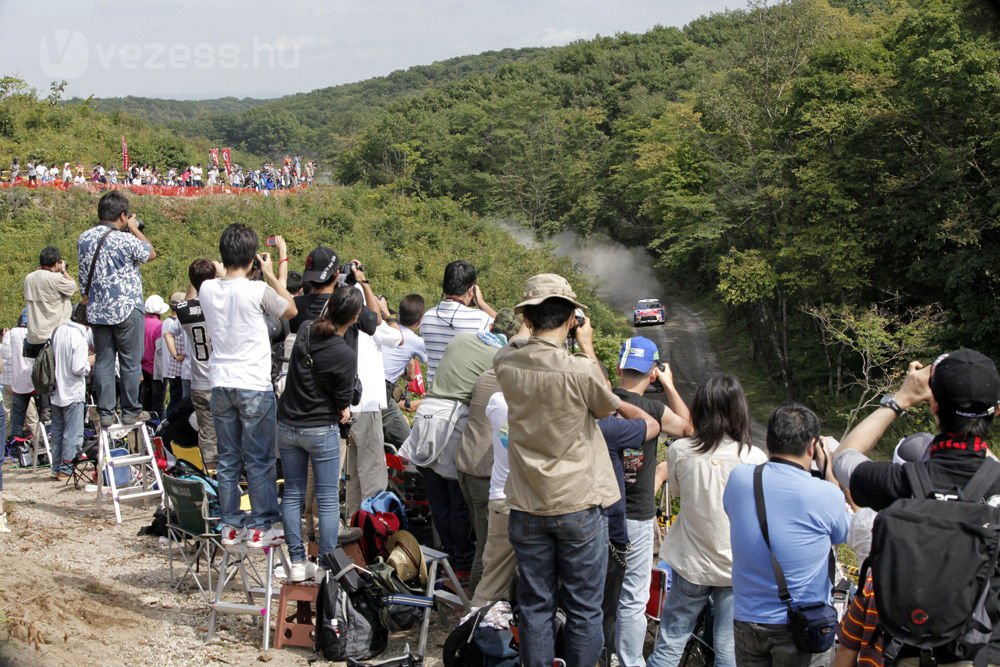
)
(153, 329)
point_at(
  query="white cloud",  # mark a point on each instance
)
(556, 36)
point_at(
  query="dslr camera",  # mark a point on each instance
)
(347, 274)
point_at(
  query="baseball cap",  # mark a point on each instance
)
(546, 286)
(155, 305)
(321, 264)
(176, 298)
(638, 354)
(913, 448)
(965, 383)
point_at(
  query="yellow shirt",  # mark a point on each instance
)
(559, 462)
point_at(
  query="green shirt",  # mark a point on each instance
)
(465, 359)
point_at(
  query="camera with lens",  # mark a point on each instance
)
(140, 224)
(347, 273)
(579, 319)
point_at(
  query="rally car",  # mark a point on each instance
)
(649, 311)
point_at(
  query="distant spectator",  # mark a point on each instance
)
(462, 310)
(47, 292)
(73, 363)
(294, 283)
(153, 391)
(243, 401)
(115, 303)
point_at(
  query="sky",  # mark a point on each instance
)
(213, 48)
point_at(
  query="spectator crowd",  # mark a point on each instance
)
(536, 466)
(292, 172)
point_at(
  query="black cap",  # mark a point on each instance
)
(965, 383)
(321, 264)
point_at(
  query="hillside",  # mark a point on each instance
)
(39, 128)
(313, 123)
(403, 242)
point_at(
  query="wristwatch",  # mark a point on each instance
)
(889, 401)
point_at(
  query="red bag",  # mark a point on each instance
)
(375, 531)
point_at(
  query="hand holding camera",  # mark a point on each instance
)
(264, 261)
(664, 375)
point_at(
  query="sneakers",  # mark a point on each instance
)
(130, 420)
(232, 535)
(258, 538)
(3, 523)
(297, 572)
(107, 420)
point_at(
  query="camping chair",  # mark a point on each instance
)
(83, 467)
(190, 454)
(191, 531)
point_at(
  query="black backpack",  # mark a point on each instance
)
(348, 612)
(932, 559)
(43, 372)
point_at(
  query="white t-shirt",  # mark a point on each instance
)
(241, 350)
(442, 323)
(71, 349)
(396, 358)
(370, 366)
(496, 412)
(22, 365)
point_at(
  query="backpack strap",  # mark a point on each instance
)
(920, 482)
(758, 496)
(85, 291)
(977, 487)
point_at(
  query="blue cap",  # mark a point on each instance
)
(638, 354)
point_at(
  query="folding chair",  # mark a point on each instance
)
(191, 531)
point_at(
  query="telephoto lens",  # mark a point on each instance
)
(140, 224)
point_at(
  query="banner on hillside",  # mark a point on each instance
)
(227, 159)
(124, 155)
(213, 153)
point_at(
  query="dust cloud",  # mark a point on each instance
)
(622, 275)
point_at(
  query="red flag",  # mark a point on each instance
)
(416, 384)
(214, 155)
(124, 155)
(227, 159)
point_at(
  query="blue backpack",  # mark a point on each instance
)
(386, 501)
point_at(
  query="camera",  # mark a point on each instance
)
(347, 274)
(140, 224)
(270, 241)
(579, 319)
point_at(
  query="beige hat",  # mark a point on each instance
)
(176, 298)
(406, 557)
(545, 286)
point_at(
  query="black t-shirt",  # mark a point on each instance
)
(311, 305)
(876, 484)
(640, 464)
(303, 403)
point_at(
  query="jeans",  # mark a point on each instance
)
(476, 491)
(770, 645)
(245, 428)
(321, 445)
(451, 518)
(125, 340)
(561, 561)
(631, 616)
(19, 409)
(66, 433)
(680, 615)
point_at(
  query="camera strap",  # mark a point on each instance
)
(779, 575)
(85, 291)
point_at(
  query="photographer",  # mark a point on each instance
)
(800, 541)
(114, 302)
(47, 292)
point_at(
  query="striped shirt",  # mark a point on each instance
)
(442, 323)
(858, 626)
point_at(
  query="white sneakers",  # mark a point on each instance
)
(297, 573)
(3, 523)
(258, 538)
